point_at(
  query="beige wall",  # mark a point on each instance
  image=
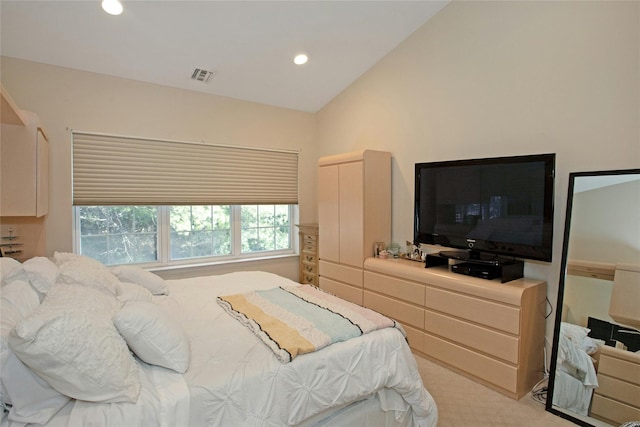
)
(604, 228)
(605, 224)
(66, 100)
(484, 79)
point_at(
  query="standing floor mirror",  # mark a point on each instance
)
(595, 362)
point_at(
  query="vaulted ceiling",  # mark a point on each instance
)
(247, 45)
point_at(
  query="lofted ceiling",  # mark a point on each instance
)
(248, 45)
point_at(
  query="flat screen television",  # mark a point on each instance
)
(488, 208)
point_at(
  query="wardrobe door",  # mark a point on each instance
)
(329, 213)
(351, 213)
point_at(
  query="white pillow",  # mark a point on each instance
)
(32, 400)
(129, 273)
(153, 335)
(42, 273)
(132, 292)
(62, 257)
(82, 270)
(10, 270)
(575, 333)
(71, 343)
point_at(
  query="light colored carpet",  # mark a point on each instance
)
(463, 402)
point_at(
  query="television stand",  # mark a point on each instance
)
(489, 268)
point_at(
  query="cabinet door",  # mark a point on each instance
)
(351, 214)
(42, 172)
(18, 171)
(328, 213)
(25, 170)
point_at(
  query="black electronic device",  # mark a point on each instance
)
(486, 267)
(488, 208)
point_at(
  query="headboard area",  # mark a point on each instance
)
(624, 307)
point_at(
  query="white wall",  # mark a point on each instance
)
(484, 79)
(605, 227)
(67, 99)
(605, 224)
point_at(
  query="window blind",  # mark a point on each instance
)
(116, 170)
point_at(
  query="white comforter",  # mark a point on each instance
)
(163, 402)
(234, 379)
(576, 376)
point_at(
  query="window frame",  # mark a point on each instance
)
(163, 241)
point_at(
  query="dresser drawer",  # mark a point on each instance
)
(619, 390)
(310, 239)
(309, 268)
(485, 340)
(401, 289)
(308, 258)
(397, 310)
(622, 369)
(498, 316)
(613, 411)
(310, 249)
(415, 337)
(484, 367)
(309, 279)
(341, 273)
(341, 290)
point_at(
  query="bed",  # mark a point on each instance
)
(194, 363)
(575, 377)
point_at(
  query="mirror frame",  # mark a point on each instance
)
(563, 270)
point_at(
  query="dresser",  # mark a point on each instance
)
(617, 398)
(489, 331)
(308, 234)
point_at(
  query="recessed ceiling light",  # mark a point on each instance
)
(112, 7)
(300, 59)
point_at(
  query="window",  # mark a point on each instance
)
(150, 201)
(199, 231)
(182, 234)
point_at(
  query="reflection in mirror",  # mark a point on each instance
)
(595, 366)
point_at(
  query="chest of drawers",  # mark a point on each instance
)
(489, 331)
(308, 234)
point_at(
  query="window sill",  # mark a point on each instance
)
(266, 263)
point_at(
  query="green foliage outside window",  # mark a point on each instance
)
(265, 228)
(200, 231)
(119, 234)
(129, 234)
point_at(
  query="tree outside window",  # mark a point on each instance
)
(132, 234)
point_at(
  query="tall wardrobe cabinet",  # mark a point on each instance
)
(354, 212)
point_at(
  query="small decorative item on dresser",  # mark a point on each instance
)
(394, 249)
(378, 247)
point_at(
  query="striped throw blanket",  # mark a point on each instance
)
(296, 320)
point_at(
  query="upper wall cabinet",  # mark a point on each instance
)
(24, 185)
(9, 113)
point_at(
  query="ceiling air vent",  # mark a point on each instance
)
(201, 75)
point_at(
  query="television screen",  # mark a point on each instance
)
(490, 207)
